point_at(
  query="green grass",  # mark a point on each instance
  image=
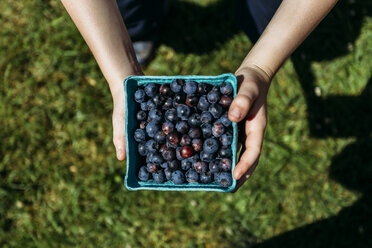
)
(61, 185)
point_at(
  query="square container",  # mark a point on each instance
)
(134, 160)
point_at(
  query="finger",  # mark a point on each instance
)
(118, 123)
(245, 177)
(255, 129)
(242, 102)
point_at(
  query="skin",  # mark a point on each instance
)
(101, 25)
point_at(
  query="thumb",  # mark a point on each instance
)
(118, 124)
(243, 101)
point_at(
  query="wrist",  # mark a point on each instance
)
(263, 73)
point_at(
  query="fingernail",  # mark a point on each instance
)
(237, 175)
(235, 113)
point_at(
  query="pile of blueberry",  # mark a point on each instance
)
(184, 132)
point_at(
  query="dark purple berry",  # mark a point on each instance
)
(197, 145)
(141, 115)
(191, 100)
(225, 152)
(143, 124)
(185, 140)
(218, 129)
(225, 101)
(151, 167)
(167, 127)
(200, 167)
(165, 90)
(226, 164)
(194, 133)
(186, 151)
(182, 127)
(168, 104)
(160, 137)
(168, 154)
(206, 177)
(173, 138)
(202, 89)
(215, 165)
(174, 165)
(179, 99)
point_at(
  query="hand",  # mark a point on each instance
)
(249, 108)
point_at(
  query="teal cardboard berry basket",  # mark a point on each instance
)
(134, 160)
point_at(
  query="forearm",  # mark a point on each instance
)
(291, 24)
(101, 25)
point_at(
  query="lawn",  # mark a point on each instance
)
(61, 185)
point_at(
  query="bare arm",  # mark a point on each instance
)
(101, 25)
(291, 24)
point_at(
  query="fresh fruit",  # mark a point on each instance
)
(190, 87)
(192, 176)
(178, 177)
(210, 145)
(143, 174)
(186, 151)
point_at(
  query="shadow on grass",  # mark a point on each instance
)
(333, 116)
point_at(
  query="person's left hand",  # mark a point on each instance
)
(249, 109)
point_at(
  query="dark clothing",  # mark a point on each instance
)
(144, 18)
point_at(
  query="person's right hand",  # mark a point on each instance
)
(249, 110)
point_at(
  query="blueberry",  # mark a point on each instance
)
(168, 104)
(225, 101)
(152, 128)
(206, 117)
(200, 167)
(143, 174)
(206, 157)
(142, 150)
(152, 146)
(186, 152)
(226, 139)
(226, 88)
(158, 176)
(156, 158)
(162, 148)
(178, 154)
(203, 103)
(179, 99)
(206, 177)
(143, 125)
(202, 89)
(225, 152)
(213, 96)
(173, 138)
(226, 164)
(171, 115)
(165, 90)
(225, 120)
(224, 179)
(218, 129)
(190, 87)
(216, 110)
(151, 89)
(151, 167)
(164, 165)
(206, 130)
(197, 145)
(174, 165)
(158, 100)
(215, 166)
(160, 137)
(139, 135)
(176, 85)
(210, 145)
(168, 154)
(144, 106)
(178, 177)
(186, 164)
(167, 127)
(192, 176)
(168, 173)
(192, 100)
(150, 105)
(171, 145)
(194, 133)
(183, 111)
(141, 115)
(182, 127)
(139, 95)
(185, 140)
(194, 120)
(155, 115)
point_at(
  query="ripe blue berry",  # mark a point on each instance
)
(160, 137)
(194, 120)
(177, 85)
(206, 117)
(142, 149)
(168, 104)
(174, 165)
(156, 158)
(206, 130)
(150, 105)
(197, 145)
(143, 174)
(151, 167)
(226, 139)
(167, 127)
(190, 87)
(216, 110)
(203, 103)
(185, 140)
(164, 165)
(171, 115)
(213, 96)
(206, 157)
(152, 146)
(225, 120)
(141, 115)
(139, 95)
(200, 167)
(210, 145)
(168, 154)
(186, 163)
(178, 154)
(192, 176)
(215, 166)
(178, 177)
(152, 128)
(158, 176)
(194, 133)
(183, 111)
(158, 100)
(226, 164)
(168, 173)
(206, 177)
(139, 135)
(151, 89)
(224, 179)
(225, 101)
(182, 127)
(225, 152)
(226, 88)
(155, 115)
(218, 129)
